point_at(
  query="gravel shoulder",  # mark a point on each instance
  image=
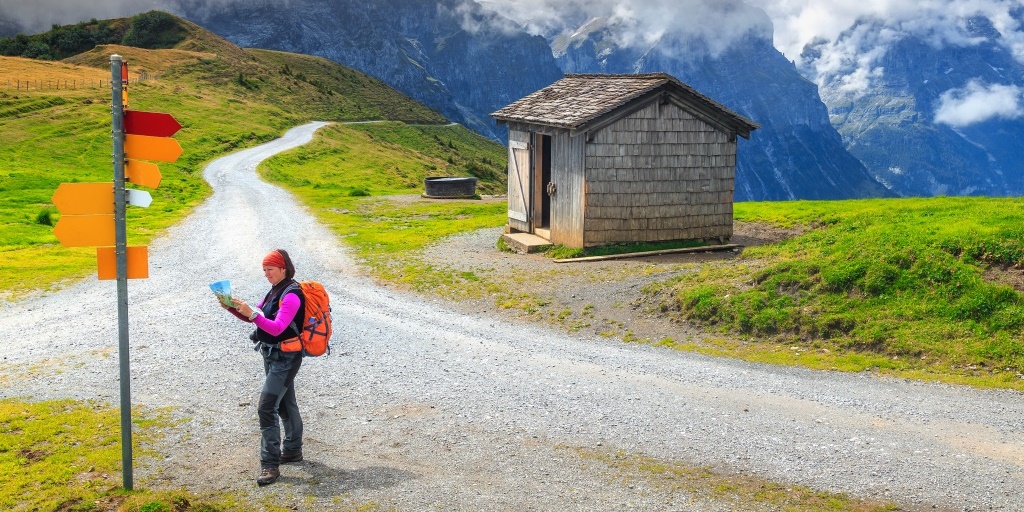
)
(600, 298)
(430, 406)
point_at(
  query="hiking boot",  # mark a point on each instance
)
(287, 457)
(268, 476)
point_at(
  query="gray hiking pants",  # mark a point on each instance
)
(277, 402)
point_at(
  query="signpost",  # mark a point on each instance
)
(119, 97)
(93, 214)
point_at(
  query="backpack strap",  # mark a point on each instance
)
(295, 325)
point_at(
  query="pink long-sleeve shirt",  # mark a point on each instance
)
(289, 307)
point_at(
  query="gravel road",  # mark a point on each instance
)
(424, 408)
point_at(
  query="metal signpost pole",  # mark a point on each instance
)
(121, 255)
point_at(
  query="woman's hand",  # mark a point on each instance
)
(242, 307)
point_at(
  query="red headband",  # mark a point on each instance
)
(274, 259)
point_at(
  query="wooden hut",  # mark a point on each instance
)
(602, 159)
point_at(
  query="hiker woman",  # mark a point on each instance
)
(274, 317)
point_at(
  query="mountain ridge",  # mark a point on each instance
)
(905, 124)
(795, 155)
(420, 53)
(467, 62)
(817, 141)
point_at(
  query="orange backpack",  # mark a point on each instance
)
(314, 337)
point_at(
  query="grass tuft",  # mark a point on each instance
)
(45, 217)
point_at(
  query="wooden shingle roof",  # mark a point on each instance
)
(580, 99)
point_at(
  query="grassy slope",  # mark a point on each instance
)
(388, 159)
(904, 285)
(225, 98)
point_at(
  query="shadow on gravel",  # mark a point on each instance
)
(325, 481)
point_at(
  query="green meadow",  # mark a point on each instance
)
(358, 179)
(924, 288)
(65, 455)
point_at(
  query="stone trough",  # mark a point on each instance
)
(449, 188)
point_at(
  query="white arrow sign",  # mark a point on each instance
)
(139, 198)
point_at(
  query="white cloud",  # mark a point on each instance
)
(977, 102)
(849, 59)
(641, 24)
(797, 22)
(852, 37)
(477, 20)
(39, 15)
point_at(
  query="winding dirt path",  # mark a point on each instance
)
(422, 407)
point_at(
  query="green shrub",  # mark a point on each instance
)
(153, 30)
(45, 217)
(502, 245)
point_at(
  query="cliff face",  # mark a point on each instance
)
(932, 114)
(930, 121)
(453, 57)
(466, 62)
(796, 154)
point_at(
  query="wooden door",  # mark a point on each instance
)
(519, 186)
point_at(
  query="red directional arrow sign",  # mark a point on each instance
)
(154, 124)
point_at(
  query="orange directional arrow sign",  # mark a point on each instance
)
(85, 230)
(84, 198)
(138, 262)
(141, 173)
(144, 147)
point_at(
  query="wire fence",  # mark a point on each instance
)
(14, 84)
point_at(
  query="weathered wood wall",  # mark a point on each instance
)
(658, 174)
(518, 189)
